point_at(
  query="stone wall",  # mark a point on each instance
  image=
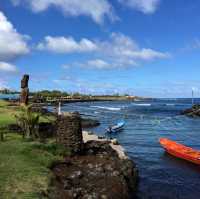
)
(69, 131)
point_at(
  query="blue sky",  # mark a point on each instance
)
(141, 47)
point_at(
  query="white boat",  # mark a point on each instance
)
(118, 127)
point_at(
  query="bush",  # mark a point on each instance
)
(28, 121)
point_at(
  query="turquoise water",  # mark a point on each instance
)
(161, 175)
(9, 96)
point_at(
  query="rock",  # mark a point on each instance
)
(41, 110)
(46, 129)
(76, 174)
(90, 166)
(115, 173)
(69, 132)
(67, 185)
(192, 112)
(103, 197)
(14, 128)
(90, 133)
(92, 176)
(115, 142)
(89, 123)
(101, 137)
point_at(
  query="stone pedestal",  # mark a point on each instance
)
(69, 132)
(24, 90)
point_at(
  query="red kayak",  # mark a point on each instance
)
(181, 151)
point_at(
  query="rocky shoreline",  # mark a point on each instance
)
(101, 171)
(192, 112)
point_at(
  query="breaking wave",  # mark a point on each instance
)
(107, 108)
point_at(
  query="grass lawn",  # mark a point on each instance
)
(7, 114)
(24, 165)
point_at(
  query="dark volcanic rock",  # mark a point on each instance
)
(69, 131)
(89, 123)
(97, 174)
(46, 129)
(194, 111)
(42, 110)
(14, 128)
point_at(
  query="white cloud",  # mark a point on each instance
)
(124, 51)
(98, 63)
(147, 54)
(145, 6)
(119, 51)
(96, 9)
(6, 67)
(66, 45)
(12, 44)
(3, 84)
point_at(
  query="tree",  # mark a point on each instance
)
(28, 121)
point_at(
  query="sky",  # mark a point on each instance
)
(148, 48)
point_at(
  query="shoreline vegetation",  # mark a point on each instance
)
(55, 96)
(29, 165)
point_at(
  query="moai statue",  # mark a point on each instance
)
(24, 90)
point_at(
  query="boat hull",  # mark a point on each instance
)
(116, 128)
(181, 151)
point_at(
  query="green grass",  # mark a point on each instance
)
(24, 172)
(7, 114)
(24, 165)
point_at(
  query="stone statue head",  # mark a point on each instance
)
(24, 81)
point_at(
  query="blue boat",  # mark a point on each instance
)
(118, 127)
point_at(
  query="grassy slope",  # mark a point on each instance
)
(24, 169)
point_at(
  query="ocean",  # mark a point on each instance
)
(161, 175)
(9, 96)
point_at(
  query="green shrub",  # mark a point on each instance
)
(28, 121)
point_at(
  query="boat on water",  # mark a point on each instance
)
(180, 151)
(118, 127)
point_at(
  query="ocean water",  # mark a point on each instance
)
(9, 96)
(161, 175)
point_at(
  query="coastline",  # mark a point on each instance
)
(101, 170)
(68, 101)
(113, 143)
